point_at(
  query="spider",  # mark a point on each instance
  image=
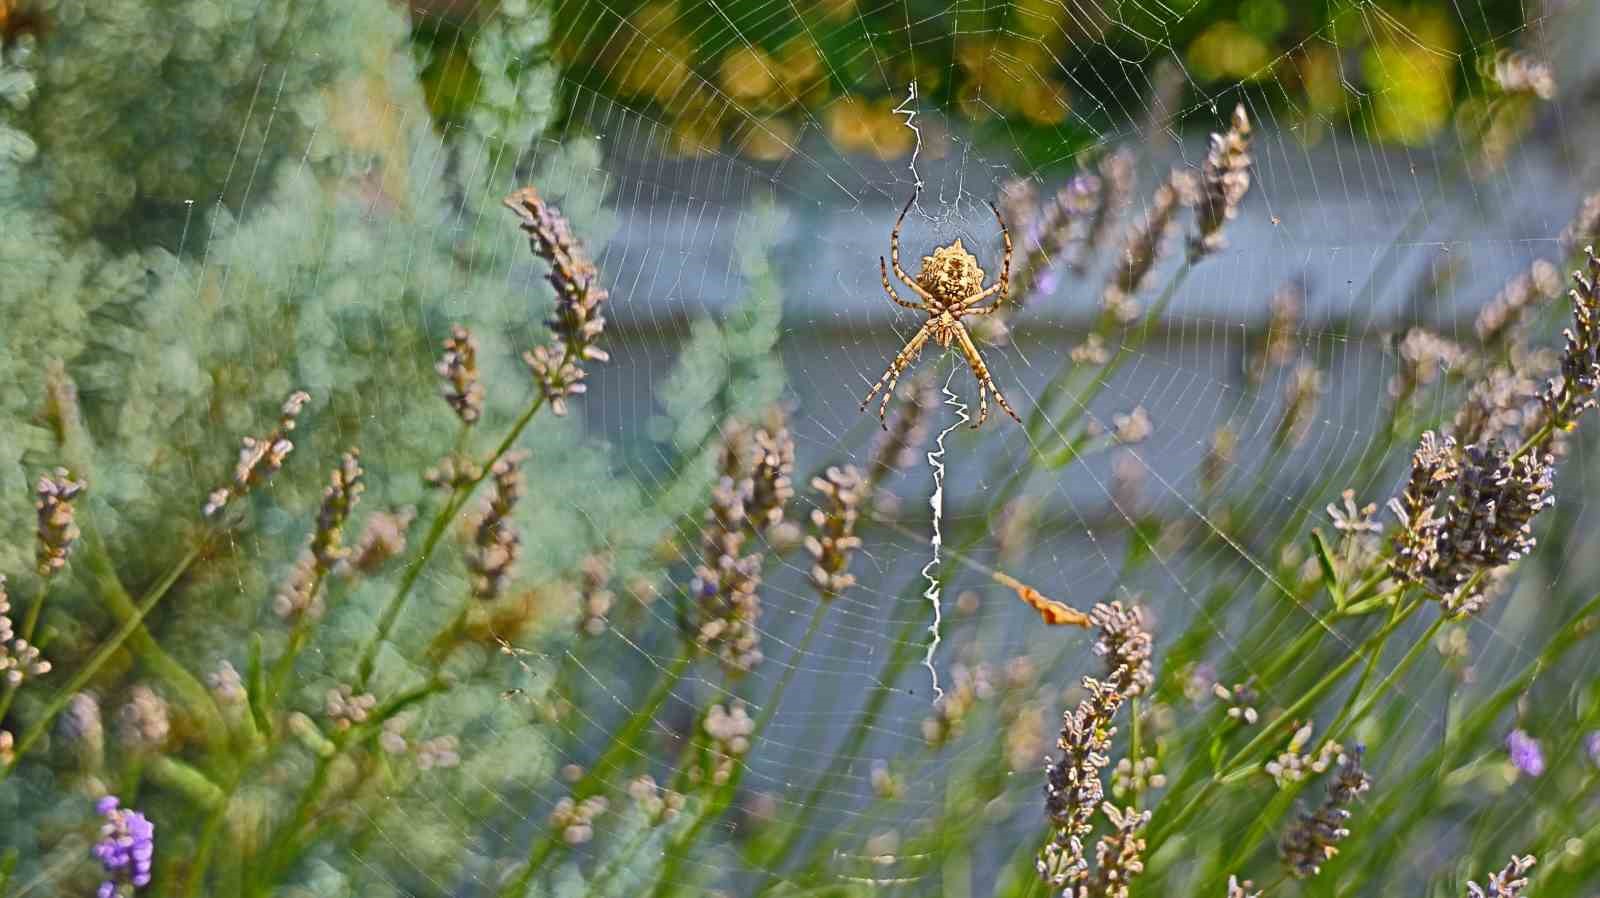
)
(951, 286)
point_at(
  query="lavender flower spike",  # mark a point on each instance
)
(1526, 755)
(126, 847)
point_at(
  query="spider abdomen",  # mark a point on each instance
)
(951, 274)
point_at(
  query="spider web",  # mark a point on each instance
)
(1358, 221)
(681, 176)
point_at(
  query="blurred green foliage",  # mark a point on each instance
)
(1042, 77)
(206, 205)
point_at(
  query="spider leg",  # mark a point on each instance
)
(1005, 272)
(983, 406)
(894, 250)
(1005, 266)
(981, 372)
(902, 360)
(884, 268)
(981, 310)
(976, 298)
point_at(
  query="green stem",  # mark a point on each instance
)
(206, 847)
(1131, 343)
(1373, 657)
(291, 652)
(288, 842)
(187, 781)
(1271, 730)
(192, 694)
(441, 522)
(1388, 682)
(31, 620)
(133, 623)
(678, 852)
(596, 778)
(860, 729)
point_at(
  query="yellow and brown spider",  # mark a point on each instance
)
(951, 286)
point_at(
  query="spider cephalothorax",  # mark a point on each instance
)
(950, 286)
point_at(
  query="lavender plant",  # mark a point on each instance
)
(437, 566)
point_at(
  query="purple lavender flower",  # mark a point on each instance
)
(1591, 745)
(127, 845)
(1526, 755)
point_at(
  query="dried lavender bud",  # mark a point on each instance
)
(896, 448)
(833, 541)
(730, 729)
(1497, 408)
(260, 458)
(1072, 782)
(344, 708)
(770, 485)
(577, 322)
(1224, 180)
(80, 732)
(143, 722)
(1423, 355)
(1125, 646)
(575, 820)
(443, 752)
(1092, 351)
(299, 597)
(1488, 523)
(969, 687)
(383, 538)
(227, 685)
(1138, 778)
(1119, 855)
(392, 735)
(1569, 395)
(1241, 701)
(1314, 838)
(594, 599)
(343, 492)
(1353, 519)
(885, 784)
(1302, 390)
(1237, 889)
(1584, 228)
(1508, 882)
(1285, 309)
(1116, 190)
(659, 805)
(1133, 427)
(725, 583)
(453, 472)
(19, 659)
(1048, 243)
(458, 366)
(747, 505)
(1294, 764)
(1218, 458)
(1499, 319)
(57, 532)
(8, 745)
(1143, 247)
(301, 593)
(495, 541)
